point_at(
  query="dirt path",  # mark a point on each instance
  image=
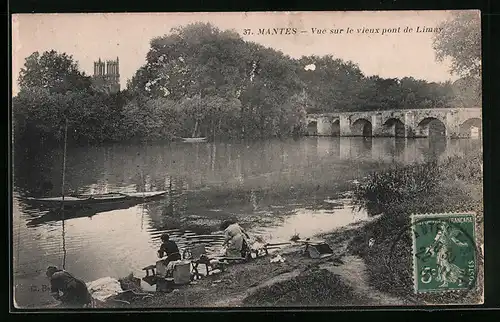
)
(353, 273)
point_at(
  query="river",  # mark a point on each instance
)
(275, 188)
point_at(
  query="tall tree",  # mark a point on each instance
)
(53, 71)
(460, 40)
(334, 84)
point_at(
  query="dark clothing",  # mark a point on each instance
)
(170, 249)
(75, 292)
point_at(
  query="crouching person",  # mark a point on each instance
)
(235, 240)
(74, 291)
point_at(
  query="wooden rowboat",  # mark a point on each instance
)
(93, 199)
(194, 140)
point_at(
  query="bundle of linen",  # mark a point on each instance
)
(103, 288)
(171, 265)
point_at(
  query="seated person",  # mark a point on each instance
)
(74, 291)
(168, 248)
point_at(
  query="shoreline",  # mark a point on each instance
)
(357, 273)
(242, 285)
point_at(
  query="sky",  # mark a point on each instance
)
(90, 36)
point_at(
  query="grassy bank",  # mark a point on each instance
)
(257, 283)
(453, 185)
(298, 281)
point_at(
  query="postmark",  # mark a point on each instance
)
(444, 252)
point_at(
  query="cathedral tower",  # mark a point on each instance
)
(106, 76)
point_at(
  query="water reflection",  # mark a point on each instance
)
(274, 188)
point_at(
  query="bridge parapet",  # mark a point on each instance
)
(401, 123)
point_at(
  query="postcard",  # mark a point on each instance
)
(247, 159)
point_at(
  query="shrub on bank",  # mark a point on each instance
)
(468, 169)
(450, 186)
(382, 191)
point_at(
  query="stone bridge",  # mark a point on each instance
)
(450, 122)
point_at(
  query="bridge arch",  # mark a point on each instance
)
(394, 127)
(361, 127)
(431, 127)
(336, 127)
(472, 127)
(312, 127)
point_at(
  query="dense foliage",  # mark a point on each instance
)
(201, 81)
(460, 41)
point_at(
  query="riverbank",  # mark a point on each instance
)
(454, 185)
(360, 272)
(339, 280)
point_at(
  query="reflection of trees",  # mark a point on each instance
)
(433, 148)
(39, 173)
(33, 172)
(175, 202)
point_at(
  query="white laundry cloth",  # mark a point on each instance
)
(277, 259)
(257, 246)
(103, 288)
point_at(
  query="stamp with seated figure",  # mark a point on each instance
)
(444, 252)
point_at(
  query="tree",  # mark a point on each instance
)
(333, 83)
(460, 39)
(467, 92)
(147, 119)
(293, 116)
(194, 59)
(54, 71)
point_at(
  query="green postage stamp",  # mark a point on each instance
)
(444, 252)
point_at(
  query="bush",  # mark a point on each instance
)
(398, 193)
(382, 190)
(468, 169)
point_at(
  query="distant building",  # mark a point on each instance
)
(106, 76)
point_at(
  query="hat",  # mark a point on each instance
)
(165, 237)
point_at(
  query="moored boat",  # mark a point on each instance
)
(93, 199)
(194, 140)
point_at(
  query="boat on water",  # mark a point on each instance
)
(55, 214)
(194, 140)
(94, 199)
(195, 136)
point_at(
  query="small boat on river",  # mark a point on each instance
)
(55, 214)
(194, 140)
(94, 199)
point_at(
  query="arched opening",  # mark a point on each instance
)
(312, 128)
(472, 128)
(432, 128)
(362, 127)
(336, 128)
(394, 127)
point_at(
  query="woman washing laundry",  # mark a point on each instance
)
(235, 239)
(168, 248)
